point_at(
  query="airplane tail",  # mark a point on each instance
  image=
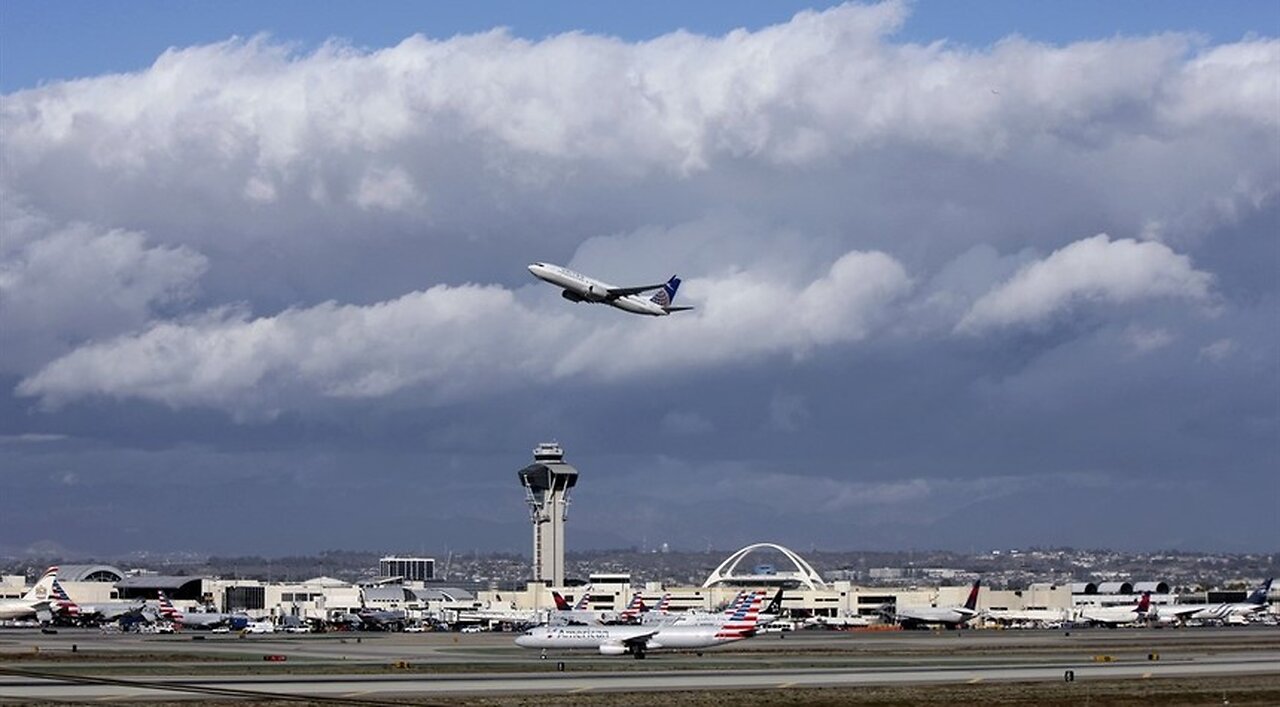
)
(665, 296)
(583, 600)
(633, 609)
(1144, 603)
(775, 605)
(745, 619)
(972, 602)
(561, 604)
(62, 601)
(168, 610)
(44, 587)
(663, 603)
(1259, 595)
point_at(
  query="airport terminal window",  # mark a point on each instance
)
(240, 598)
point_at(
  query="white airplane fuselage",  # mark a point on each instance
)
(612, 640)
(940, 616)
(580, 288)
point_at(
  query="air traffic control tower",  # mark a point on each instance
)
(546, 483)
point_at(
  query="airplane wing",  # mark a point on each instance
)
(639, 638)
(678, 309)
(616, 292)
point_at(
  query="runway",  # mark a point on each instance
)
(341, 669)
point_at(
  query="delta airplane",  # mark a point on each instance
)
(31, 603)
(1112, 616)
(738, 623)
(1256, 601)
(580, 288)
(579, 613)
(949, 616)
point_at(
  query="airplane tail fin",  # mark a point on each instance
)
(775, 605)
(167, 609)
(1144, 603)
(665, 296)
(584, 599)
(1259, 595)
(63, 601)
(561, 604)
(745, 620)
(44, 587)
(634, 608)
(663, 603)
(972, 602)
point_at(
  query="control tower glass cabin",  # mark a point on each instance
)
(546, 483)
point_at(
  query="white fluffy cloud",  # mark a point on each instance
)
(61, 285)
(452, 340)
(795, 175)
(1094, 269)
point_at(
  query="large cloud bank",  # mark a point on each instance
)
(160, 213)
(1032, 276)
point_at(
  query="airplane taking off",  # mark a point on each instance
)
(949, 616)
(33, 601)
(580, 288)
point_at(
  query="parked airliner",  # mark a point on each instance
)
(1256, 601)
(949, 616)
(580, 288)
(34, 601)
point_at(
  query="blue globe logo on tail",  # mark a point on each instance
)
(667, 294)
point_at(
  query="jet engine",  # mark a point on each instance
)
(571, 295)
(612, 649)
(595, 293)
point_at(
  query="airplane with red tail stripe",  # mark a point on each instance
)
(739, 622)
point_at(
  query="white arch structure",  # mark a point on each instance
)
(804, 571)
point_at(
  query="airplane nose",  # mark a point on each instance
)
(522, 641)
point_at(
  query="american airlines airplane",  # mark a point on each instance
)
(199, 620)
(949, 616)
(65, 609)
(580, 288)
(1256, 601)
(31, 603)
(739, 622)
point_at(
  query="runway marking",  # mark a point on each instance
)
(357, 693)
(580, 689)
(1146, 675)
(785, 685)
(975, 681)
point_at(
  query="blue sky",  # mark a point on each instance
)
(981, 293)
(45, 41)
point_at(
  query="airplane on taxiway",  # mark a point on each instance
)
(741, 621)
(577, 287)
